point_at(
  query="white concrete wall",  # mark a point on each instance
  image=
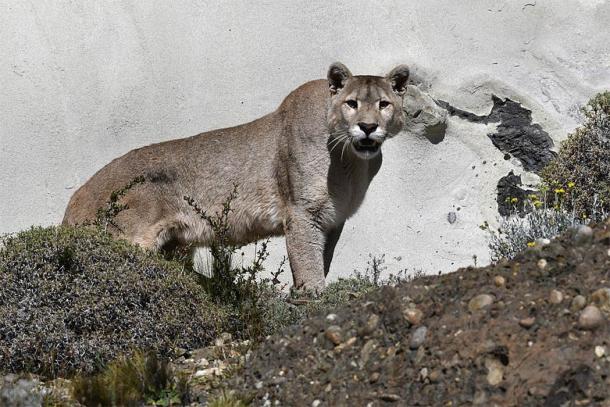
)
(82, 82)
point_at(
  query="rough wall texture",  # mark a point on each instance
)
(83, 82)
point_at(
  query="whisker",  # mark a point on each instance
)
(343, 150)
(334, 143)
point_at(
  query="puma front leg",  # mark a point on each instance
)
(332, 238)
(305, 245)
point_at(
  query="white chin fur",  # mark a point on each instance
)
(365, 155)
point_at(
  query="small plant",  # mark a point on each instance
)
(107, 214)
(580, 175)
(256, 303)
(228, 399)
(516, 233)
(131, 381)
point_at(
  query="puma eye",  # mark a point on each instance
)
(383, 104)
(352, 103)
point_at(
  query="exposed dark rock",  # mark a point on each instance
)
(515, 135)
(511, 196)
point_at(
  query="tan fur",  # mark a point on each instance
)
(298, 173)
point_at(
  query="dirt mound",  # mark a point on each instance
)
(533, 331)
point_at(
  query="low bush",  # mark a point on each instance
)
(131, 381)
(516, 233)
(73, 299)
(580, 175)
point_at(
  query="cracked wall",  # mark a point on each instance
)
(82, 84)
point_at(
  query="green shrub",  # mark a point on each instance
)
(131, 381)
(580, 175)
(516, 233)
(72, 299)
(256, 306)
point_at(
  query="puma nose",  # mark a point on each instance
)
(367, 128)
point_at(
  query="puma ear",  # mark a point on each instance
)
(338, 74)
(398, 78)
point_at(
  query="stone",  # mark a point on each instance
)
(371, 324)
(390, 397)
(418, 338)
(590, 318)
(600, 351)
(499, 281)
(542, 263)
(346, 344)
(583, 234)
(578, 303)
(555, 297)
(423, 374)
(495, 371)
(601, 298)
(413, 315)
(366, 350)
(332, 317)
(434, 376)
(425, 117)
(451, 217)
(316, 403)
(480, 301)
(527, 323)
(333, 333)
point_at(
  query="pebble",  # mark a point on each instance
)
(434, 375)
(555, 297)
(600, 351)
(583, 234)
(366, 350)
(374, 377)
(495, 373)
(316, 403)
(480, 301)
(601, 298)
(542, 242)
(346, 344)
(389, 397)
(578, 303)
(590, 318)
(371, 324)
(333, 334)
(527, 322)
(418, 338)
(413, 315)
(499, 281)
(258, 385)
(423, 374)
(332, 317)
(542, 263)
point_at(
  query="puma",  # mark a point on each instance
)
(300, 171)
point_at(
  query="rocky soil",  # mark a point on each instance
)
(529, 332)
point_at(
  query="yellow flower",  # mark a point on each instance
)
(514, 200)
(571, 184)
(538, 204)
(533, 197)
(531, 244)
(560, 191)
